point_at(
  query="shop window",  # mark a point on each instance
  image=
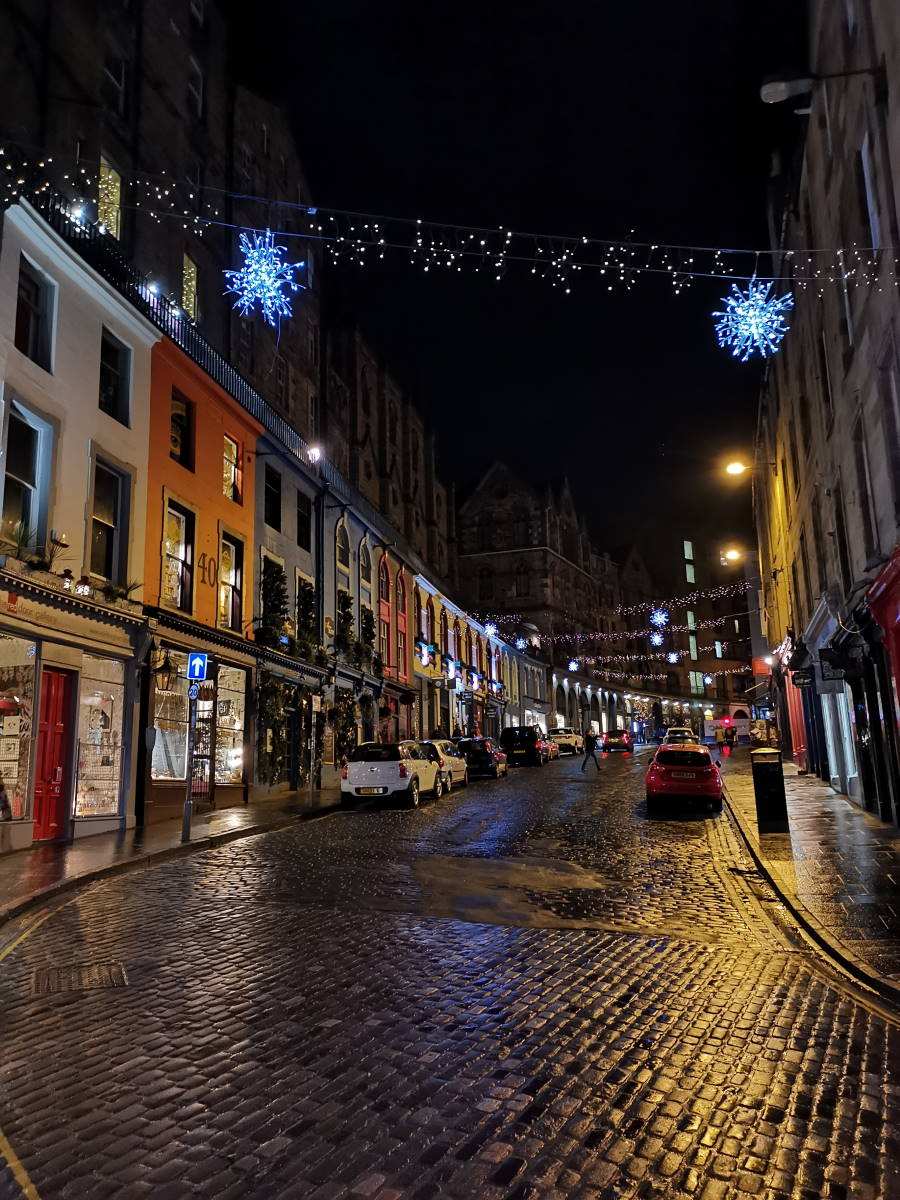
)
(179, 557)
(170, 721)
(190, 287)
(109, 523)
(304, 520)
(181, 430)
(272, 498)
(115, 377)
(34, 313)
(101, 714)
(231, 574)
(109, 198)
(231, 693)
(27, 477)
(232, 481)
(17, 670)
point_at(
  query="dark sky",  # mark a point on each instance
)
(566, 118)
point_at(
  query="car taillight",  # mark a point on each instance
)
(402, 771)
(345, 772)
(441, 763)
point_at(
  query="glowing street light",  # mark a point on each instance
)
(732, 555)
(736, 467)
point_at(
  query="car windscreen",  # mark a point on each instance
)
(682, 758)
(518, 735)
(373, 752)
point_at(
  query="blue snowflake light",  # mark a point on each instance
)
(264, 280)
(656, 639)
(752, 320)
(659, 617)
(573, 664)
(672, 657)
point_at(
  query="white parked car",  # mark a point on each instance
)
(568, 740)
(453, 765)
(388, 768)
(679, 733)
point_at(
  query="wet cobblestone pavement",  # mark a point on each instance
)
(527, 990)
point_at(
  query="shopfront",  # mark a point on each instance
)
(220, 766)
(66, 706)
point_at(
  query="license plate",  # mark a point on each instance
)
(684, 774)
(519, 753)
(371, 791)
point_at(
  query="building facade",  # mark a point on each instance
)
(827, 467)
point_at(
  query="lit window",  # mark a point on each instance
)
(20, 495)
(189, 287)
(688, 549)
(689, 572)
(231, 470)
(109, 539)
(115, 377)
(231, 569)
(179, 556)
(401, 651)
(718, 649)
(384, 642)
(109, 198)
(691, 620)
(692, 643)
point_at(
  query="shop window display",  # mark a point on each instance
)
(101, 712)
(230, 700)
(170, 718)
(18, 660)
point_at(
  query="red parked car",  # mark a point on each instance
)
(616, 739)
(683, 772)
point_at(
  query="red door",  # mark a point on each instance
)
(51, 799)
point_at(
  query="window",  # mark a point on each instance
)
(445, 633)
(231, 572)
(429, 622)
(520, 529)
(840, 534)
(113, 83)
(819, 551)
(195, 87)
(867, 198)
(245, 347)
(34, 310)
(485, 584)
(281, 379)
(522, 582)
(384, 642)
(109, 524)
(798, 599)
(178, 547)
(804, 563)
(384, 581)
(400, 597)
(401, 651)
(689, 573)
(342, 548)
(304, 522)
(232, 475)
(792, 447)
(109, 198)
(864, 488)
(692, 644)
(697, 685)
(689, 550)
(20, 485)
(231, 698)
(115, 377)
(691, 620)
(718, 646)
(181, 430)
(189, 287)
(272, 498)
(365, 565)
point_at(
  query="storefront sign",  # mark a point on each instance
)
(829, 679)
(328, 746)
(316, 702)
(804, 678)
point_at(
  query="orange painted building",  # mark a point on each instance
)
(198, 586)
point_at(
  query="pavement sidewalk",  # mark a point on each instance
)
(29, 876)
(838, 870)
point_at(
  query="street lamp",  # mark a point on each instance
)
(776, 91)
(731, 555)
(736, 468)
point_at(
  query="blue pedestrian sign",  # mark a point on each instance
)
(197, 666)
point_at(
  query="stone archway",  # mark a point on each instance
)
(572, 715)
(595, 713)
(560, 704)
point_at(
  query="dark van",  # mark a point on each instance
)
(524, 744)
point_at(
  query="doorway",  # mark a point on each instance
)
(54, 754)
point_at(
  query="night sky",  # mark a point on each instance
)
(592, 118)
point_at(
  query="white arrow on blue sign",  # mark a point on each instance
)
(197, 666)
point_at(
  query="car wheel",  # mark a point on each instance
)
(438, 787)
(716, 805)
(465, 778)
(652, 806)
(412, 794)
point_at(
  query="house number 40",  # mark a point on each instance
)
(209, 569)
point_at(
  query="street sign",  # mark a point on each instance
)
(316, 703)
(197, 666)
(194, 691)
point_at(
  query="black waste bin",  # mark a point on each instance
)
(768, 790)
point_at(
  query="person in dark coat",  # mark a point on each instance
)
(590, 750)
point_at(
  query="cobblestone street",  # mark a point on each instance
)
(525, 990)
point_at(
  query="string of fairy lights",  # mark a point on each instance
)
(752, 320)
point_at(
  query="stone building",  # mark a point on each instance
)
(827, 464)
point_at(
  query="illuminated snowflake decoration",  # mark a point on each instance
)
(659, 617)
(707, 679)
(656, 639)
(752, 321)
(491, 629)
(672, 657)
(573, 664)
(521, 643)
(264, 281)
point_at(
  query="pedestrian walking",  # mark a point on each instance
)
(590, 750)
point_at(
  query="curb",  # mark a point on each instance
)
(861, 973)
(154, 858)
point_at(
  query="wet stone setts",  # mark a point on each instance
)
(525, 991)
